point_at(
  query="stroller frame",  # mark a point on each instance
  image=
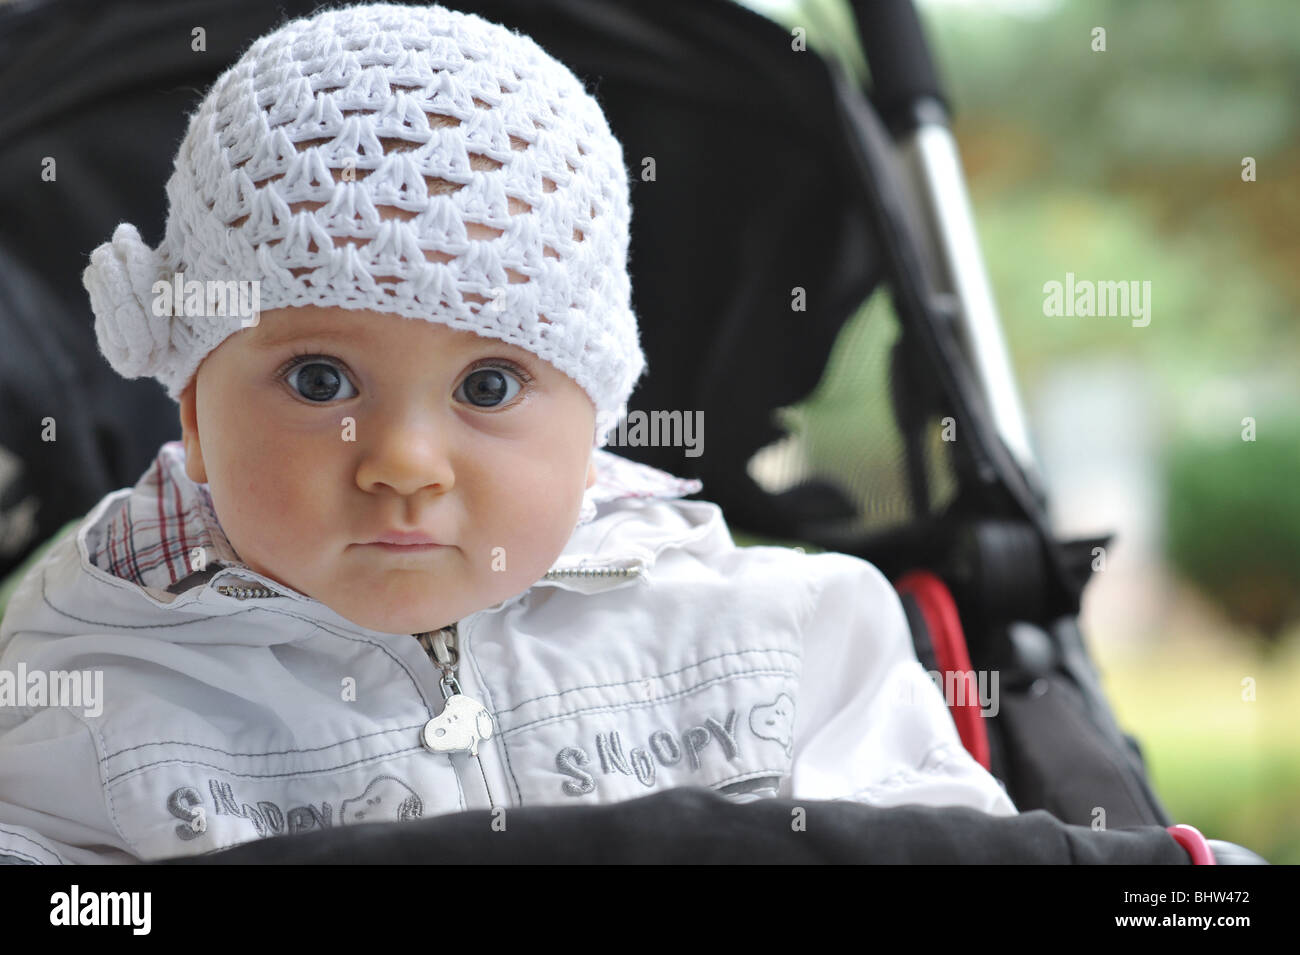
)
(941, 287)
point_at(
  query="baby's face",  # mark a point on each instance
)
(392, 424)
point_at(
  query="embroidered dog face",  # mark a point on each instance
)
(774, 721)
(386, 799)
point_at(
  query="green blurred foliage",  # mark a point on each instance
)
(1126, 164)
(1180, 82)
(1233, 523)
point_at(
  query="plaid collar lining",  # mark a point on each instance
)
(154, 535)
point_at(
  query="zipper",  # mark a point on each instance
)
(245, 593)
(246, 589)
(595, 572)
(440, 645)
(464, 722)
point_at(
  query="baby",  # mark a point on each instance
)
(390, 570)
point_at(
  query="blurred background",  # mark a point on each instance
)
(1182, 437)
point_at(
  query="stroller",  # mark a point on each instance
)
(842, 194)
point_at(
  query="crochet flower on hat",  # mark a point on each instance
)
(404, 159)
(120, 279)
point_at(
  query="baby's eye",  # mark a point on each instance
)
(490, 387)
(318, 380)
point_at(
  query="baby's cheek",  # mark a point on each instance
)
(549, 527)
(287, 537)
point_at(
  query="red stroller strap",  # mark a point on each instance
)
(939, 611)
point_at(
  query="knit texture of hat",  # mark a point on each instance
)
(469, 178)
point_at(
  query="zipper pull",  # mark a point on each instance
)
(464, 722)
(440, 645)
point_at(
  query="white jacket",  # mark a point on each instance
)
(654, 654)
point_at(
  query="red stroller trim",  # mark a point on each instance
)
(946, 636)
(1190, 838)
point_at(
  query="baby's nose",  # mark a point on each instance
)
(407, 458)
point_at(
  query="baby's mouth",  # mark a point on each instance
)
(406, 548)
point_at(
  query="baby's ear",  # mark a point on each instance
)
(194, 468)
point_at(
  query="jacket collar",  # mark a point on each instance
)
(151, 536)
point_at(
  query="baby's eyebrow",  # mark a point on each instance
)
(350, 337)
(274, 341)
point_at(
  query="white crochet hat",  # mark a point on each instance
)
(399, 127)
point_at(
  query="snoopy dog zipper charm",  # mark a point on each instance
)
(464, 722)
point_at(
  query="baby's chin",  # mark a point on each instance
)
(407, 609)
(411, 621)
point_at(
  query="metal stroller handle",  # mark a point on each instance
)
(942, 292)
(908, 95)
(903, 75)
